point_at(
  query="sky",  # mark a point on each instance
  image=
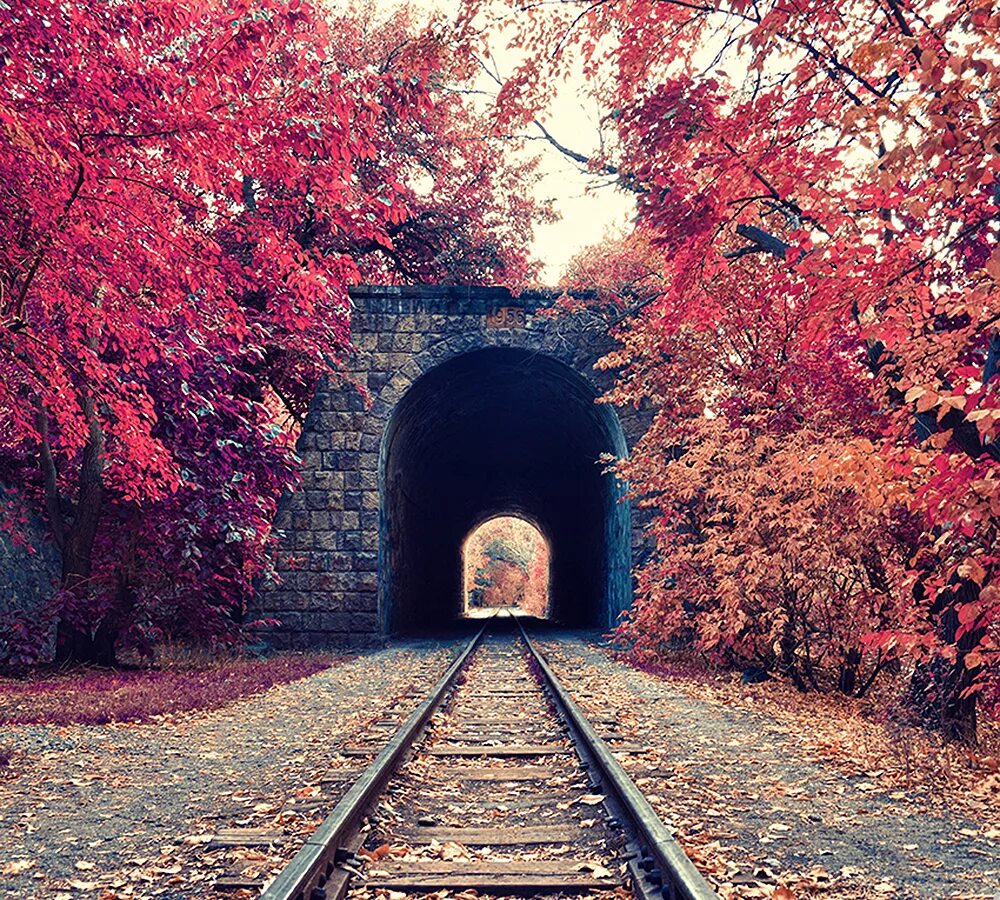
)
(588, 208)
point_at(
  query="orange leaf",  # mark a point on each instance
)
(927, 400)
(972, 570)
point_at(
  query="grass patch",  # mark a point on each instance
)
(100, 696)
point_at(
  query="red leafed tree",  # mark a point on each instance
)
(822, 182)
(535, 601)
(187, 189)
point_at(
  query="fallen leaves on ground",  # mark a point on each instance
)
(98, 696)
(133, 809)
(755, 782)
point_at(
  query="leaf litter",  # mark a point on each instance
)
(774, 800)
(125, 811)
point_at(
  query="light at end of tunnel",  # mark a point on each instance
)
(506, 568)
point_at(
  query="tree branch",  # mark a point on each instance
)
(50, 477)
(57, 226)
(763, 242)
(626, 181)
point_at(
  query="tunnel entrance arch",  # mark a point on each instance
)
(496, 430)
(461, 403)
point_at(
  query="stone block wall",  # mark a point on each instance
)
(28, 569)
(331, 525)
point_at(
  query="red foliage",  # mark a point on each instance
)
(187, 189)
(821, 181)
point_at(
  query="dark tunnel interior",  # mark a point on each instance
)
(501, 431)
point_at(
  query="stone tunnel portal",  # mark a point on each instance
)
(493, 431)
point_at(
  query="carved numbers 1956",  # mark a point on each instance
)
(507, 317)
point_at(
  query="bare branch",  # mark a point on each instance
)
(625, 180)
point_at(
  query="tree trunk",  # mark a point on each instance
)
(77, 639)
(76, 644)
(848, 681)
(940, 689)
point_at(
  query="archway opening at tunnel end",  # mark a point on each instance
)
(505, 564)
(501, 432)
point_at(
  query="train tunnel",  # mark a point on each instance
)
(498, 431)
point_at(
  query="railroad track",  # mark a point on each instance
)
(498, 784)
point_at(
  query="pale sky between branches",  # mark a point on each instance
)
(587, 210)
(588, 207)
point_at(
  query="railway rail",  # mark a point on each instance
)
(497, 783)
